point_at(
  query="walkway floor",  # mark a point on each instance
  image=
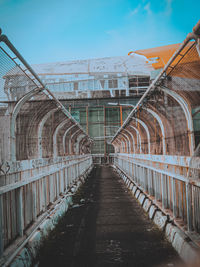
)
(108, 228)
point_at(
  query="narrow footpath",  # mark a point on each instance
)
(106, 227)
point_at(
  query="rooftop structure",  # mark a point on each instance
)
(102, 77)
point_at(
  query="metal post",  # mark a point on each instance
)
(145, 180)
(61, 175)
(164, 190)
(1, 226)
(189, 206)
(150, 182)
(174, 200)
(57, 184)
(20, 216)
(34, 192)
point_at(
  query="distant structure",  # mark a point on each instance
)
(102, 77)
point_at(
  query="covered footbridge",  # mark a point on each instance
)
(143, 122)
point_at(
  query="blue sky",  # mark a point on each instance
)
(60, 30)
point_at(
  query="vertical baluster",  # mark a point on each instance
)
(149, 181)
(58, 183)
(79, 169)
(189, 206)
(44, 182)
(61, 174)
(157, 176)
(137, 174)
(1, 226)
(20, 215)
(155, 183)
(66, 178)
(174, 199)
(51, 188)
(141, 177)
(76, 169)
(159, 185)
(164, 190)
(13, 213)
(70, 175)
(34, 193)
(134, 172)
(180, 198)
(145, 180)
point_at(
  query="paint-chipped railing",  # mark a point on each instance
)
(177, 195)
(23, 201)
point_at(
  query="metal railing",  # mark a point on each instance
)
(174, 193)
(22, 202)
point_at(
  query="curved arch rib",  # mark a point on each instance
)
(125, 140)
(187, 111)
(147, 132)
(40, 128)
(64, 137)
(132, 137)
(121, 143)
(128, 146)
(138, 137)
(157, 117)
(13, 120)
(55, 150)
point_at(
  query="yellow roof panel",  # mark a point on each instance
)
(162, 54)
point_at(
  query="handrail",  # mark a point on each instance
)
(174, 192)
(9, 187)
(171, 174)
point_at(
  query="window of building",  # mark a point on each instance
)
(112, 83)
(139, 81)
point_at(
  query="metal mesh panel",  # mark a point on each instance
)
(30, 107)
(171, 109)
(184, 79)
(15, 79)
(6, 65)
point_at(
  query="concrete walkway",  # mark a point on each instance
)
(109, 229)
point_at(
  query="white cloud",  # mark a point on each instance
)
(111, 32)
(135, 11)
(148, 8)
(168, 10)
